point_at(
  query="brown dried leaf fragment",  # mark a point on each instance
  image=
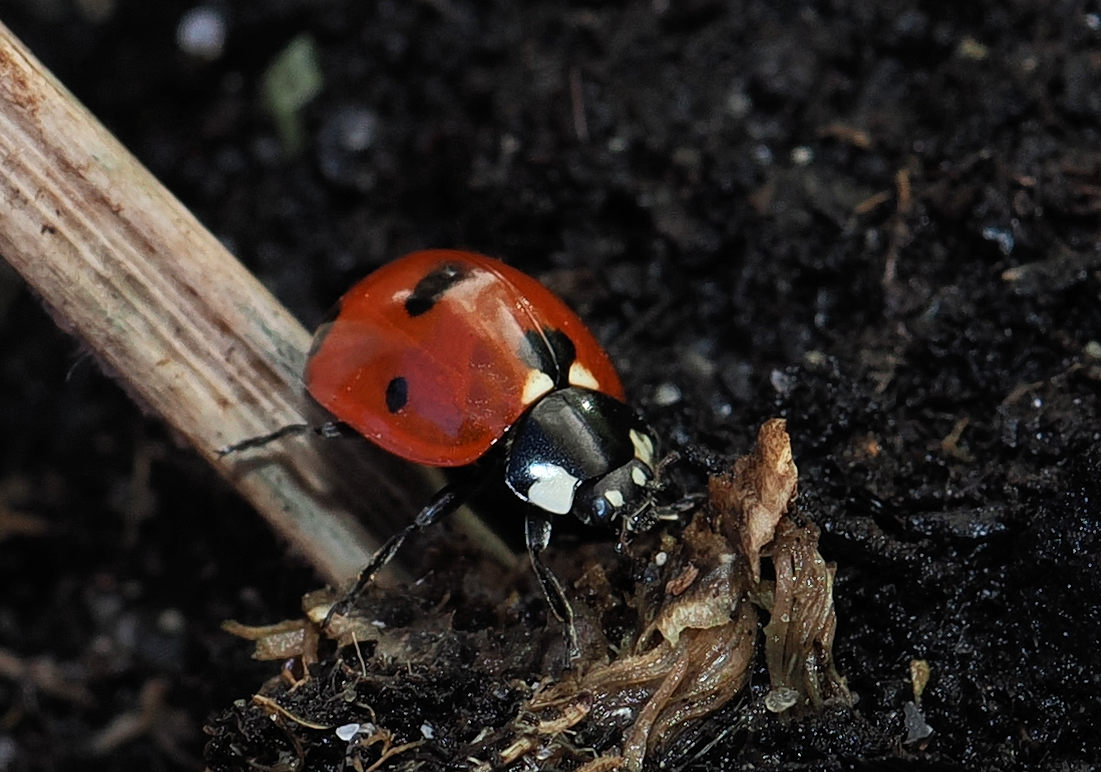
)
(666, 686)
(293, 638)
(696, 653)
(750, 501)
(282, 640)
(802, 622)
(716, 663)
(707, 603)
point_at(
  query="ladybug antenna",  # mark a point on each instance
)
(651, 512)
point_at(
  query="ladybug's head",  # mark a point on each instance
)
(623, 496)
(584, 453)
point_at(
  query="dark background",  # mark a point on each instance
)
(877, 219)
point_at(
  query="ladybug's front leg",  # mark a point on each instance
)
(538, 531)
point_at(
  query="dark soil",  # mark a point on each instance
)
(878, 219)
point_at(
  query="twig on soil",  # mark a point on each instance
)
(45, 675)
(273, 708)
(151, 718)
(166, 309)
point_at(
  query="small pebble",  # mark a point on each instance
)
(780, 699)
(667, 394)
(202, 33)
(347, 731)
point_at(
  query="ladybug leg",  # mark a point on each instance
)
(449, 498)
(326, 430)
(672, 458)
(538, 530)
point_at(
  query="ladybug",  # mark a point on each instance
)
(447, 358)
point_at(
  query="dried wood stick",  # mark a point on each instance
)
(172, 315)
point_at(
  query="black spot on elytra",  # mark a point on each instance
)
(397, 394)
(432, 287)
(554, 360)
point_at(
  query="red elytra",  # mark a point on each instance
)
(435, 355)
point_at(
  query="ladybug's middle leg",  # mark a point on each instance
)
(538, 531)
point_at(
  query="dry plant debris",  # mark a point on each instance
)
(697, 652)
(693, 649)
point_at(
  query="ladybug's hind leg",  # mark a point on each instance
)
(538, 531)
(326, 430)
(446, 501)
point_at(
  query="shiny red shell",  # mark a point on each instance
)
(435, 355)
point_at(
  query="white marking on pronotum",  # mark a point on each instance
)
(553, 488)
(639, 476)
(644, 447)
(537, 384)
(580, 376)
(615, 498)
